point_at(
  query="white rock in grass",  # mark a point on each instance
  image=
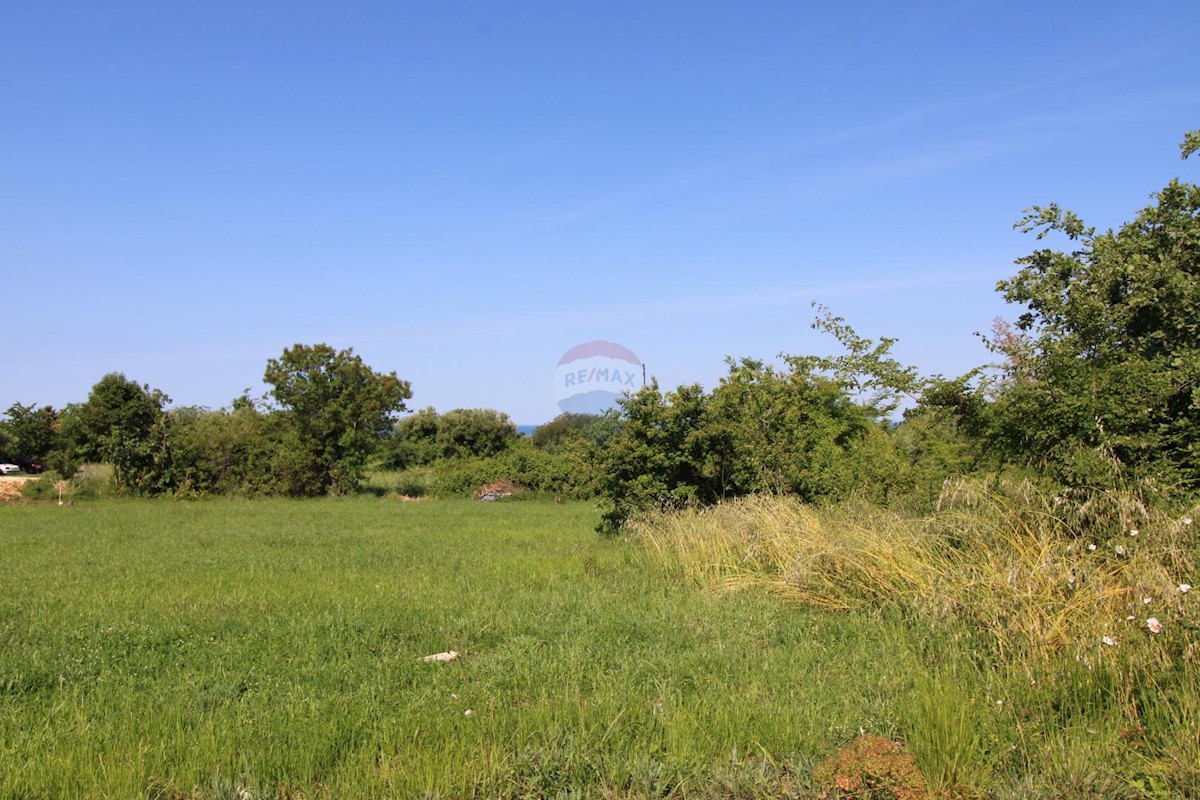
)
(449, 655)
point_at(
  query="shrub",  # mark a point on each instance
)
(567, 473)
(48, 486)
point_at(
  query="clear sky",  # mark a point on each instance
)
(463, 191)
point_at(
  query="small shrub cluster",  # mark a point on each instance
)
(566, 473)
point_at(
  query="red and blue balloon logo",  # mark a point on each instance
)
(591, 376)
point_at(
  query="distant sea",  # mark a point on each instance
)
(527, 430)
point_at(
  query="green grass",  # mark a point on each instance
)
(271, 649)
(1042, 674)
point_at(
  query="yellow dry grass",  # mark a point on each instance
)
(1000, 559)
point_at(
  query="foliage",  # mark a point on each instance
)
(413, 442)
(787, 432)
(427, 436)
(567, 472)
(32, 432)
(1102, 380)
(567, 428)
(337, 408)
(464, 432)
(122, 424)
(865, 369)
(1190, 144)
(791, 430)
(661, 456)
(226, 452)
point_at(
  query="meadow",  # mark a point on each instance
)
(272, 649)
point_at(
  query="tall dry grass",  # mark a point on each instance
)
(1074, 636)
(1007, 560)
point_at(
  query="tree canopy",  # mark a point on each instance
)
(1103, 372)
(338, 409)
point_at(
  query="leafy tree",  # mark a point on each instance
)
(338, 409)
(427, 436)
(474, 432)
(413, 442)
(798, 429)
(33, 432)
(660, 459)
(225, 452)
(1103, 378)
(566, 428)
(121, 424)
(787, 431)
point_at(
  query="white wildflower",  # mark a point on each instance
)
(468, 713)
(1147, 600)
(1120, 549)
(1092, 546)
(1130, 618)
(1110, 641)
(1184, 588)
(1187, 520)
(1134, 531)
(1154, 625)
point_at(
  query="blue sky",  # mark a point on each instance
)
(461, 192)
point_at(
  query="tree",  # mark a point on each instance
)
(660, 457)
(338, 410)
(1108, 383)
(788, 431)
(413, 443)
(33, 432)
(466, 432)
(121, 424)
(567, 428)
(218, 452)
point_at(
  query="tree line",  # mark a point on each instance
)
(1096, 384)
(326, 413)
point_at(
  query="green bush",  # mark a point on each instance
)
(569, 473)
(46, 487)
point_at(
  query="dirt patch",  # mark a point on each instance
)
(10, 486)
(495, 490)
(870, 767)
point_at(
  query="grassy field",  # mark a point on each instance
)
(1078, 622)
(271, 648)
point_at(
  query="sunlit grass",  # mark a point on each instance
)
(1065, 630)
(271, 649)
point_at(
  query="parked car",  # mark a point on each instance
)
(9, 469)
(32, 467)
